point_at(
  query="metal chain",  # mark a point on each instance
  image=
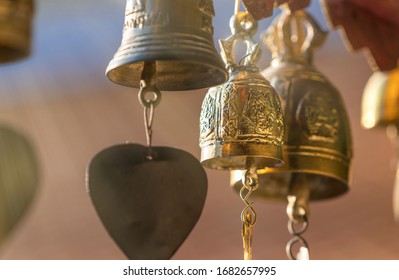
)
(248, 214)
(303, 253)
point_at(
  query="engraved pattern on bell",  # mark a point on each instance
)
(15, 29)
(242, 118)
(317, 140)
(380, 99)
(178, 36)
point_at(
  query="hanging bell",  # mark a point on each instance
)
(15, 29)
(380, 108)
(178, 36)
(380, 104)
(317, 141)
(241, 119)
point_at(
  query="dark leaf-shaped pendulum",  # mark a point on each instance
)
(148, 206)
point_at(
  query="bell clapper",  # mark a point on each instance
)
(148, 88)
(297, 211)
(248, 215)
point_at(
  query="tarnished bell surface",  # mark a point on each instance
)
(242, 118)
(178, 35)
(380, 104)
(317, 140)
(15, 29)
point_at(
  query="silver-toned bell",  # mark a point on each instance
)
(178, 36)
(241, 120)
(15, 29)
(317, 143)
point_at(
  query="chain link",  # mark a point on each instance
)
(297, 238)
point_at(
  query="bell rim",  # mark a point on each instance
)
(221, 74)
(233, 156)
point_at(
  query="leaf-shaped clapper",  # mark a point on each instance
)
(149, 207)
(19, 179)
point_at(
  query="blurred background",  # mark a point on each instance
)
(59, 98)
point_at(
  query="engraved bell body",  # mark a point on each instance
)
(178, 36)
(317, 141)
(241, 119)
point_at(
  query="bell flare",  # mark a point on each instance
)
(15, 30)
(173, 74)
(235, 156)
(380, 100)
(175, 34)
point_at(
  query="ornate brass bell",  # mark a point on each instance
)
(241, 122)
(178, 36)
(317, 142)
(380, 104)
(15, 29)
(242, 118)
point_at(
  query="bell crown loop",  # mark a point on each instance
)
(243, 27)
(293, 37)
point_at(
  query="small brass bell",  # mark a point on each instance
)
(380, 108)
(380, 104)
(178, 36)
(317, 142)
(242, 118)
(15, 29)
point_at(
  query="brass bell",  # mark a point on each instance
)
(380, 104)
(178, 36)
(380, 108)
(241, 120)
(317, 142)
(15, 29)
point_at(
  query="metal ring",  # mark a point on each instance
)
(301, 230)
(149, 102)
(291, 243)
(250, 180)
